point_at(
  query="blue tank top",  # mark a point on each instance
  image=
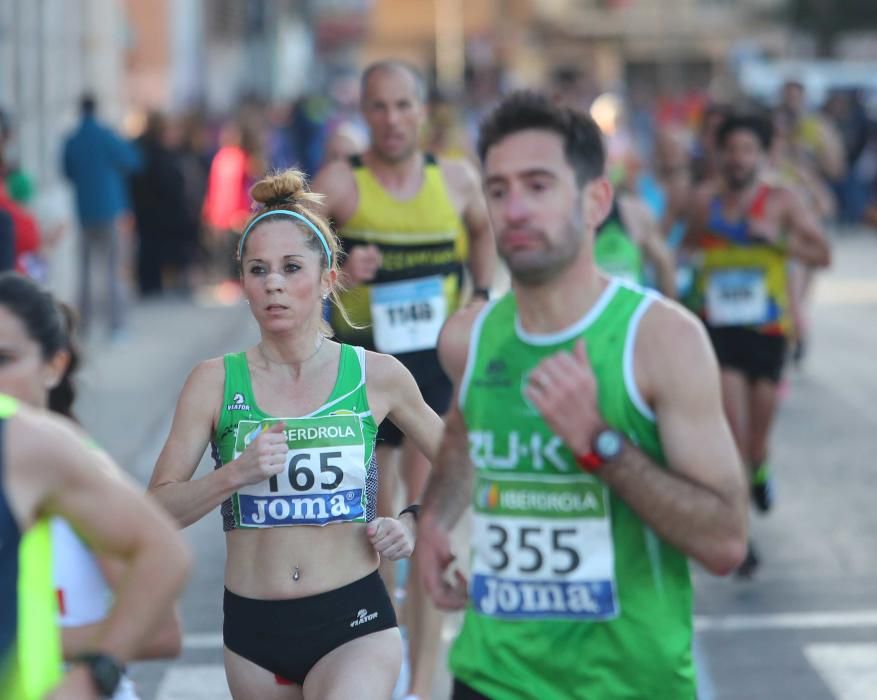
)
(10, 539)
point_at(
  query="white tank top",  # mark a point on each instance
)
(84, 597)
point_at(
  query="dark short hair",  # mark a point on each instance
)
(88, 104)
(755, 124)
(524, 109)
(395, 64)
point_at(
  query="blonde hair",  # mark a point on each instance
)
(288, 191)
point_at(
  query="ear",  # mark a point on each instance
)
(329, 279)
(55, 369)
(598, 202)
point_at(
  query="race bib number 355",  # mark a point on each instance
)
(542, 549)
(324, 479)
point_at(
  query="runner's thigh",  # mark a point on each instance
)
(365, 668)
(247, 681)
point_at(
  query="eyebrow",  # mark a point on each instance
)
(532, 172)
(285, 257)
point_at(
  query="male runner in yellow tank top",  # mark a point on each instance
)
(409, 224)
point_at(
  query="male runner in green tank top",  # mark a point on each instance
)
(409, 223)
(628, 239)
(589, 429)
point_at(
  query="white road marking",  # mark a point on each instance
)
(849, 670)
(805, 620)
(202, 641)
(204, 682)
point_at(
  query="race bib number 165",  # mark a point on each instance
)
(324, 479)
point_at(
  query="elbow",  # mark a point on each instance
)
(726, 556)
(169, 642)
(825, 260)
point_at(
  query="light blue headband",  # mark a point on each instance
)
(294, 215)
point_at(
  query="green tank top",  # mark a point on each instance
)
(615, 252)
(423, 246)
(571, 594)
(331, 475)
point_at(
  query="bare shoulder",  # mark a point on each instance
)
(40, 448)
(202, 393)
(207, 376)
(382, 370)
(704, 192)
(672, 346)
(633, 205)
(453, 342)
(459, 171)
(636, 214)
(336, 183)
(461, 176)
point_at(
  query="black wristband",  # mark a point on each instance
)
(483, 292)
(414, 509)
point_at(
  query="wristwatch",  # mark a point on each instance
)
(606, 446)
(106, 672)
(481, 293)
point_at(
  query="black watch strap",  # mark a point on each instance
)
(481, 292)
(106, 672)
(414, 509)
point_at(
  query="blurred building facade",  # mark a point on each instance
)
(50, 52)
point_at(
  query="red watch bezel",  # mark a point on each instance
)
(590, 462)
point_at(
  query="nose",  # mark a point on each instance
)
(274, 282)
(515, 208)
(392, 116)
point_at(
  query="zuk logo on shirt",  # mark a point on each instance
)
(238, 404)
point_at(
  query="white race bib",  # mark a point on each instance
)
(542, 549)
(325, 478)
(407, 316)
(736, 297)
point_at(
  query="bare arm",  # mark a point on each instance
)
(66, 477)
(482, 249)
(164, 643)
(189, 500)
(830, 153)
(807, 241)
(699, 503)
(449, 489)
(340, 197)
(405, 404)
(647, 233)
(336, 183)
(171, 484)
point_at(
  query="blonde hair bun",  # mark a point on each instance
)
(284, 188)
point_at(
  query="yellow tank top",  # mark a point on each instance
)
(423, 244)
(743, 280)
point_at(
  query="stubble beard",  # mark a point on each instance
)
(542, 267)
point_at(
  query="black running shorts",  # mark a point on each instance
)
(434, 385)
(288, 637)
(756, 355)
